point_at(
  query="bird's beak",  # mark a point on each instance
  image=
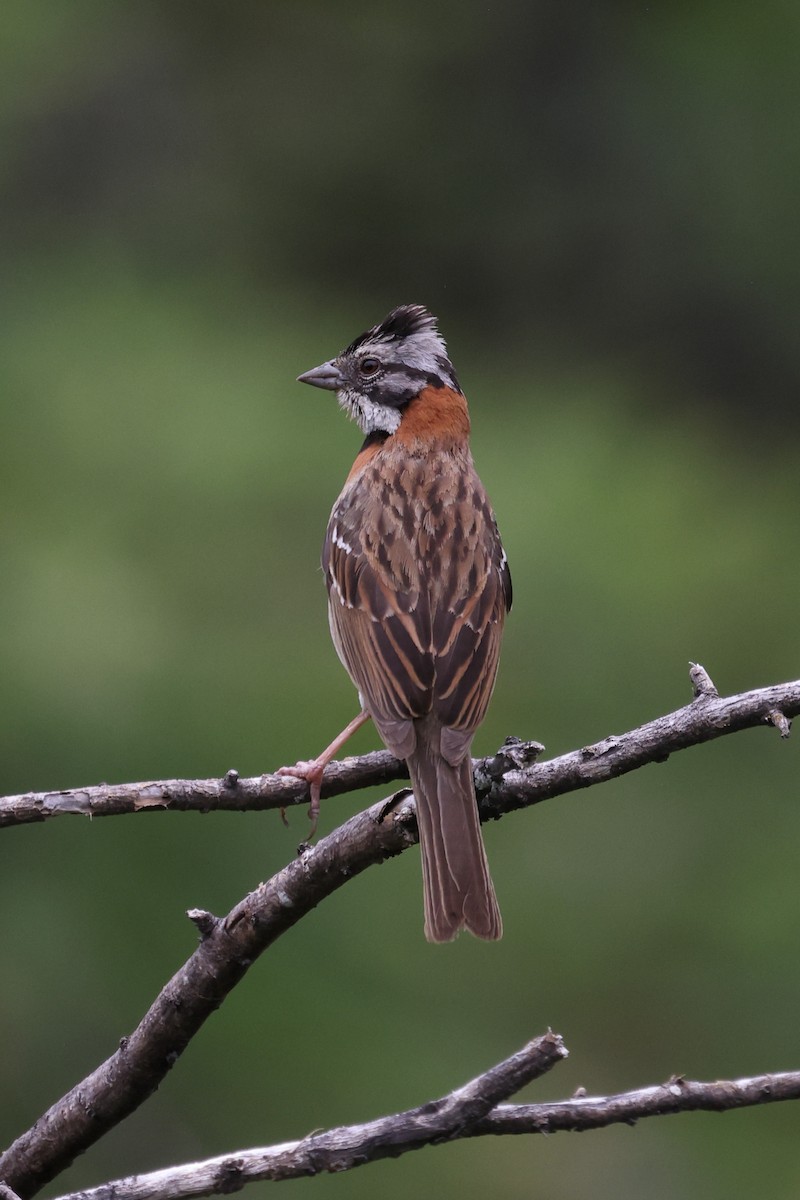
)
(326, 376)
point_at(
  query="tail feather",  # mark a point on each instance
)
(457, 885)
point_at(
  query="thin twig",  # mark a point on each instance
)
(230, 793)
(505, 780)
(707, 717)
(677, 1095)
(355, 1145)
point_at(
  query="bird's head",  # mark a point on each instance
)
(384, 369)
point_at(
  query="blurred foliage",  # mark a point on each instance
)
(201, 200)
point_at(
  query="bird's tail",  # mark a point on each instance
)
(458, 887)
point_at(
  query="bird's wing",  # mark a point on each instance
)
(472, 594)
(379, 615)
(418, 590)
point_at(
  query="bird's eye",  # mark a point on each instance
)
(369, 365)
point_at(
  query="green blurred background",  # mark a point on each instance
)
(200, 200)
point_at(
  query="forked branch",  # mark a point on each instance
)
(229, 946)
(448, 1119)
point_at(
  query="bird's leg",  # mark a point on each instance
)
(313, 770)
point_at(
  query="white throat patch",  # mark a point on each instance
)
(368, 415)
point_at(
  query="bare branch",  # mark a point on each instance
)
(347, 1147)
(231, 793)
(709, 716)
(507, 778)
(228, 947)
(677, 1095)
(352, 1146)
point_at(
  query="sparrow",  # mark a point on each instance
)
(418, 590)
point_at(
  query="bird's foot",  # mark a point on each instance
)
(311, 772)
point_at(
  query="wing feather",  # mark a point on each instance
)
(418, 589)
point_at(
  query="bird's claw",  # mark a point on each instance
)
(310, 772)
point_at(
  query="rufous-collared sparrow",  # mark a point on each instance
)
(418, 589)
